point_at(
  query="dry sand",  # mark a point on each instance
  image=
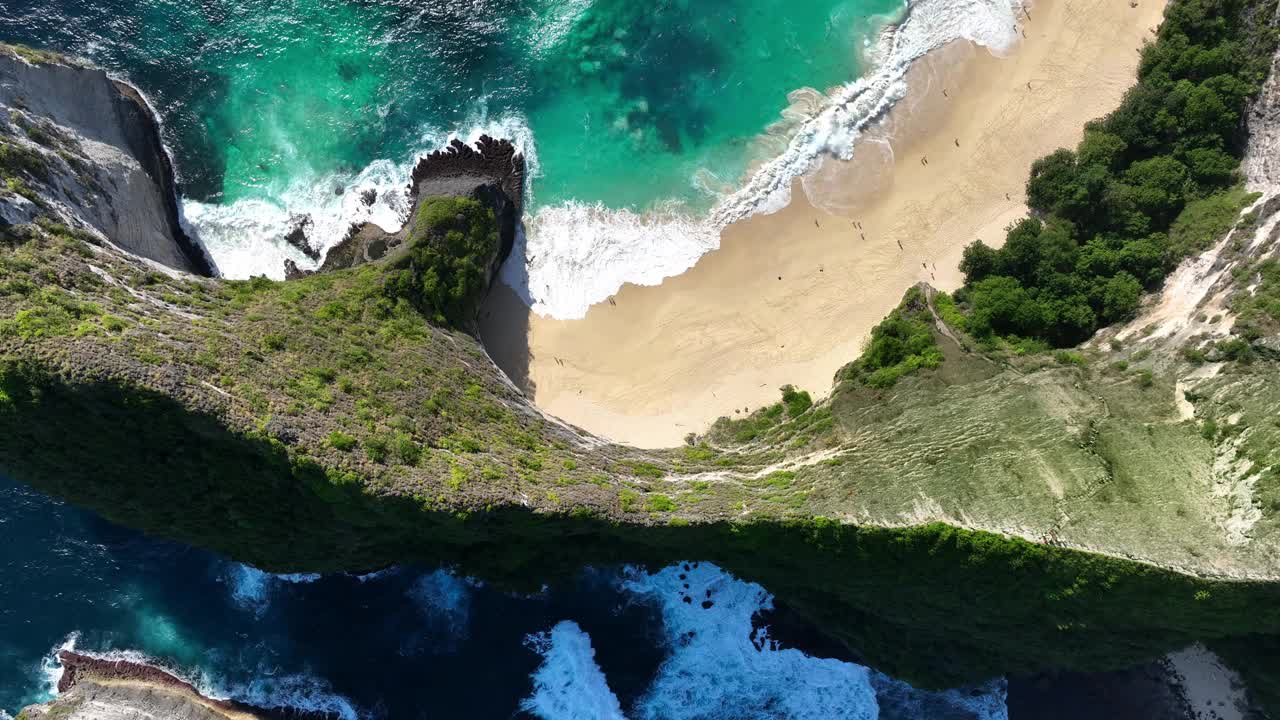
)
(661, 362)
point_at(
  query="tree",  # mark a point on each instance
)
(1002, 305)
(1120, 297)
(978, 261)
(1053, 182)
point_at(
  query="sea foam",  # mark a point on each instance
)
(720, 667)
(251, 587)
(246, 238)
(296, 691)
(569, 684)
(444, 599)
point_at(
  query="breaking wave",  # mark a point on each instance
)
(246, 238)
(569, 684)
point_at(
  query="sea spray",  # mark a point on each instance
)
(569, 684)
(246, 238)
(297, 692)
(445, 602)
(251, 588)
(294, 691)
(719, 668)
(900, 701)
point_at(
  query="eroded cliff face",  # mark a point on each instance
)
(84, 150)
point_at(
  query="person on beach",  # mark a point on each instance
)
(957, 142)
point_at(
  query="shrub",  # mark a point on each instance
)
(796, 401)
(902, 343)
(660, 503)
(339, 440)
(452, 241)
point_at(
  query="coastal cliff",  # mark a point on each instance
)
(84, 150)
(987, 512)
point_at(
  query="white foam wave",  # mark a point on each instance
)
(569, 684)
(556, 21)
(52, 669)
(377, 575)
(930, 24)
(445, 600)
(251, 587)
(246, 238)
(305, 693)
(580, 255)
(719, 668)
(900, 701)
(577, 255)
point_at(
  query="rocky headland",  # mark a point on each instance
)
(990, 513)
(103, 689)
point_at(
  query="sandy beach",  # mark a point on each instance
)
(790, 297)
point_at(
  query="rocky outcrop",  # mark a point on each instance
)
(491, 171)
(85, 150)
(100, 689)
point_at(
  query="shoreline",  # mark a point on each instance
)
(789, 297)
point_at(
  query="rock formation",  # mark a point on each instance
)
(491, 172)
(98, 689)
(84, 150)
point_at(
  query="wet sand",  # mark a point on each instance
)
(790, 297)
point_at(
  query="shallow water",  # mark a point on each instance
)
(417, 643)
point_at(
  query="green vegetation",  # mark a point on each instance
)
(36, 56)
(450, 247)
(339, 440)
(901, 344)
(1259, 310)
(1151, 182)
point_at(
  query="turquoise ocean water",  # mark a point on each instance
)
(630, 102)
(276, 108)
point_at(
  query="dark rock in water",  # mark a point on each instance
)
(299, 225)
(369, 197)
(339, 190)
(293, 272)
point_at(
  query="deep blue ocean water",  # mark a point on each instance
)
(416, 642)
